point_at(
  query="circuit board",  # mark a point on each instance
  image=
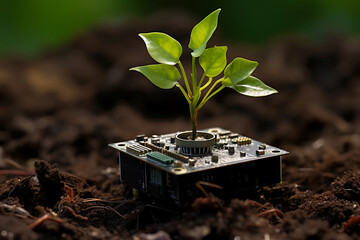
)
(156, 165)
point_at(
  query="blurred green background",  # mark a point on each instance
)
(28, 28)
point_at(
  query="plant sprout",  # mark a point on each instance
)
(167, 52)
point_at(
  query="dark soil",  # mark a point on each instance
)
(59, 180)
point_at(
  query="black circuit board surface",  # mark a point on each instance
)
(230, 148)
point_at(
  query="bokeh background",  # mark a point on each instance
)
(76, 54)
(29, 28)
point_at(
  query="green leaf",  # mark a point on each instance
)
(237, 70)
(162, 48)
(162, 75)
(202, 32)
(253, 87)
(213, 60)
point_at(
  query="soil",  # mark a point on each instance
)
(58, 112)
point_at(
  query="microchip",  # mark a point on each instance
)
(162, 158)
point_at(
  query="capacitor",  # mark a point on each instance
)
(260, 152)
(233, 135)
(192, 162)
(231, 150)
(262, 146)
(215, 158)
(177, 163)
(140, 138)
(155, 140)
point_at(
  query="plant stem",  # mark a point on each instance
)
(193, 115)
(206, 84)
(208, 98)
(207, 94)
(184, 93)
(185, 79)
(201, 80)
(195, 99)
(193, 75)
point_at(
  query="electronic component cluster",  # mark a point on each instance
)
(159, 167)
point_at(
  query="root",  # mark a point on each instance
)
(75, 214)
(254, 203)
(13, 163)
(268, 209)
(107, 208)
(350, 223)
(122, 202)
(276, 212)
(210, 201)
(44, 218)
(200, 185)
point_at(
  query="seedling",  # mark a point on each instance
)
(167, 52)
(166, 167)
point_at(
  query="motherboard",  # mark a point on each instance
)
(157, 166)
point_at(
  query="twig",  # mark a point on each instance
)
(105, 207)
(270, 211)
(351, 222)
(107, 201)
(256, 204)
(13, 163)
(122, 202)
(44, 218)
(200, 185)
(75, 214)
(78, 178)
(210, 200)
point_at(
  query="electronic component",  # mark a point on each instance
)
(162, 158)
(140, 138)
(167, 167)
(137, 149)
(260, 152)
(243, 141)
(215, 158)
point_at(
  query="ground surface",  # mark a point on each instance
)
(59, 112)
